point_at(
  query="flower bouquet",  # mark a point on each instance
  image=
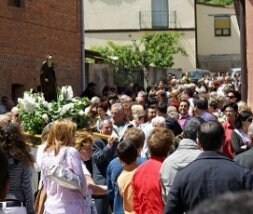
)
(35, 112)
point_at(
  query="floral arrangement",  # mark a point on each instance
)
(35, 112)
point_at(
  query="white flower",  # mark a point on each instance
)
(66, 93)
(45, 118)
(29, 103)
(81, 113)
(66, 108)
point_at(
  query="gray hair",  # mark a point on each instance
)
(158, 121)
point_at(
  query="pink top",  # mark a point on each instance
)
(61, 199)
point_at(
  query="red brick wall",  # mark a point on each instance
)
(249, 41)
(29, 34)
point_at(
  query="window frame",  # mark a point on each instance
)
(222, 30)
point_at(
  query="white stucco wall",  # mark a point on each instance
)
(185, 12)
(113, 14)
(207, 42)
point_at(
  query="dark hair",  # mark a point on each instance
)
(201, 103)
(213, 103)
(211, 135)
(231, 105)
(160, 141)
(185, 101)
(162, 107)
(191, 127)
(242, 116)
(237, 94)
(4, 175)
(189, 92)
(104, 106)
(13, 144)
(127, 151)
(232, 203)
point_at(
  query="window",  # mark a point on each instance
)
(16, 3)
(222, 26)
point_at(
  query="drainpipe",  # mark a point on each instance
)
(196, 35)
(244, 72)
(83, 73)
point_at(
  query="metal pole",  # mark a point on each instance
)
(83, 73)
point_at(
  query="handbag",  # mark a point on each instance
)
(40, 201)
(62, 175)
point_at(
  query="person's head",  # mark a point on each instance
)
(102, 109)
(45, 132)
(83, 144)
(150, 112)
(160, 142)
(105, 127)
(243, 120)
(49, 60)
(7, 102)
(212, 106)
(12, 143)
(4, 175)
(187, 93)
(161, 95)
(211, 136)
(184, 107)
(140, 100)
(91, 86)
(15, 115)
(200, 104)
(230, 110)
(161, 109)
(138, 113)
(127, 152)
(243, 106)
(136, 136)
(233, 96)
(231, 202)
(158, 122)
(62, 133)
(118, 113)
(191, 128)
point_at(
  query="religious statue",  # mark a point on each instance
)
(48, 79)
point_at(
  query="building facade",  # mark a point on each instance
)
(30, 30)
(218, 40)
(124, 21)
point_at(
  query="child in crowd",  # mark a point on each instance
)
(127, 154)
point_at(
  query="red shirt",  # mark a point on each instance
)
(227, 147)
(147, 192)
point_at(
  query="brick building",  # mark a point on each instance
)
(30, 30)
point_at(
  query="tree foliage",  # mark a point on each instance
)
(156, 49)
(218, 2)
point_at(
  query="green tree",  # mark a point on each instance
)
(156, 49)
(218, 2)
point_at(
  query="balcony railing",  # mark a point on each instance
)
(157, 19)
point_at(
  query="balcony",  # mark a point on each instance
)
(157, 19)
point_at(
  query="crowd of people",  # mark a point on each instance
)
(166, 149)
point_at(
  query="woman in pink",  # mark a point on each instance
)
(61, 200)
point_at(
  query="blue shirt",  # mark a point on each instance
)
(113, 171)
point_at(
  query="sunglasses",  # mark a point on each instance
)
(230, 97)
(250, 120)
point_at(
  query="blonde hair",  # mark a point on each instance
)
(83, 140)
(137, 111)
(62, 133)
